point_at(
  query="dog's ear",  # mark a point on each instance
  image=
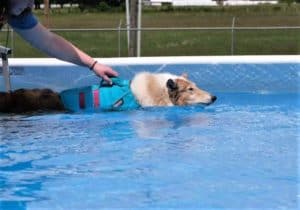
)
(184, 75)
(171, 85)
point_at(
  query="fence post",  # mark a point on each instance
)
(12, 42)
(133, 4)
(232, 36)
(139, 24)
(128, 25)
(46, 12)
(119, 38)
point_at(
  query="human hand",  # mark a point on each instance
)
(104, 71)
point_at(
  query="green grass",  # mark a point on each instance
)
(268, 42)
(179, 43)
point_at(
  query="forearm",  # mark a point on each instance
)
(55, 46)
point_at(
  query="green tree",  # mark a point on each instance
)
(84, 4)
(220, 2)
(114, 3)
(37, 4)
(62, 2)
(288, 1)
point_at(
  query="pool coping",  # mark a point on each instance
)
(246, 59)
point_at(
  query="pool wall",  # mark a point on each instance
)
(262, 74)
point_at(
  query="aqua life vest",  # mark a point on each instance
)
(103, 97)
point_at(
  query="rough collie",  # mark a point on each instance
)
(166, 89)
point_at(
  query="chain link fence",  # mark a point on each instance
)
(174, 41)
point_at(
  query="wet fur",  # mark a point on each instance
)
(24, 100)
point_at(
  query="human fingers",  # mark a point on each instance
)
(111, 72)
(106, 78)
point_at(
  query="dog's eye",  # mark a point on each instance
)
(191, 89)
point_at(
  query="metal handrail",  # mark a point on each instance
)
(4, 51)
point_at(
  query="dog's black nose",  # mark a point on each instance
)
(213, 98)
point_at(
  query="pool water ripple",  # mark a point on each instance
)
(241, 152)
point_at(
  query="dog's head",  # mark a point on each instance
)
(184, 92)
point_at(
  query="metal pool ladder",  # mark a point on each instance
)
(5, 67)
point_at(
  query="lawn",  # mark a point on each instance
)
(178, 43)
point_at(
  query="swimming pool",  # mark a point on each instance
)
(239, 153)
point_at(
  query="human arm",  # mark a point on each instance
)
(37, 35)
(58, 47)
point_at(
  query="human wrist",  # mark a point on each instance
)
(91, 67)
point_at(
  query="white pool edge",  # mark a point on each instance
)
(255, 59)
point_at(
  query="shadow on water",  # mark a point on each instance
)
(157, 123)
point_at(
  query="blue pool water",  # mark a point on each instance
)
(239, 153)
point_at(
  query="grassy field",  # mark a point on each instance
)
(179, 43)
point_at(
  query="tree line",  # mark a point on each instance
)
(82, 3)
(113, 3)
